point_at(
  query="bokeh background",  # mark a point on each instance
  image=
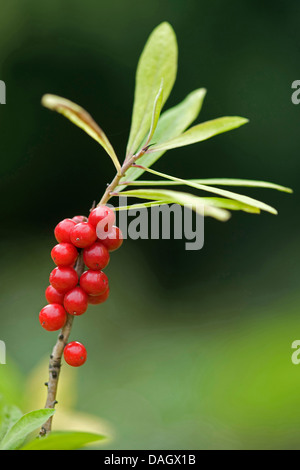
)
(193, 349)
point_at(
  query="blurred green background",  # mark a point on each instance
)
(193, 349)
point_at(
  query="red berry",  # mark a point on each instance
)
(98, 299)
(102, 218)
(96, 256)
(53, 296)
(53, 317)
(75, 354)
(63, 278)
(62, 230)
(83, 235)
(114, 239)
(64, 254)
(76, 301)
(94, 282)
(79, 218)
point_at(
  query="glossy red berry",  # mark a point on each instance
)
(114, 239)
(98, 299)
(94, 282)
(79, 218)
(53, 317)
(63, 278)
(53, 296)
(102, 218)
(64, 254)
(83, 235)
(62, 230)
(76, 301)
(75, 354)
(96, 256)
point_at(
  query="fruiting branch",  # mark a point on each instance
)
(55, 358)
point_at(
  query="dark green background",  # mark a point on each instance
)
(193, 350)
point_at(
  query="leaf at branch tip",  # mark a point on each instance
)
(202, 132)
(199, 204)
(156, 112)
(220, 192)
(171, 124)
(144, 205)
(214, 181)
(158, 61)
(61, 440)
(232, 205)
(23, 427)
(82, 119)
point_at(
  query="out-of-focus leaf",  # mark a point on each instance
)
(63, 441)
(198, 204)
(214, 181)
(24, 426)
(220, 192)
(81, 118)
(139, 206)
(171, 124)
(9, 415)
(201, 132)
(158, 61)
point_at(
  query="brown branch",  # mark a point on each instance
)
(56, 356)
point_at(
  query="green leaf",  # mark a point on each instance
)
(220, 192)
(24, 426)
(156, 113)
(82, 119)
(176, 197)
(171, 123)
(139, 206)
(213, 181)
(61, 440)
(201, 132)
(232, 205)
(10, 414)
(158, 61)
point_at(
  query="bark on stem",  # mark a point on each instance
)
(55, 358)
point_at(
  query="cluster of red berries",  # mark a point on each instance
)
(93, 239)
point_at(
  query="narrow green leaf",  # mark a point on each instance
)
(10, 414)
(139, 206)
(232, 205)
(82, 119)
(158, 61)
(24, 426)
(171, 124)
(63, 441)
(220, 192)
(213, 181)
(156, 113)
(201, 132)
(199, 204)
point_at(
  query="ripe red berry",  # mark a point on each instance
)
(98, 299)
(96, 256)
(76, 301)
(102, 218)
(75, 354)
(114, 239)
(53, 296)
(83, 235)
(79, 218)
(62, 230)
(94, 282)
(64, 254)
(63, 278)
(53, 317)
